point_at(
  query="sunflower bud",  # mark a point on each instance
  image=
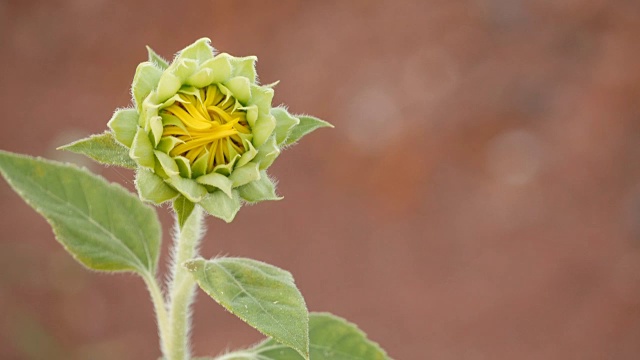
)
(203, 129)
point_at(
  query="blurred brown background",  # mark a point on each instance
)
(479, 197)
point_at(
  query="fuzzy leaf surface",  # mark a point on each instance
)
(307, 125)
(331, 338)
(102, 148)
(157, 59)
(260, 294)
(101, 225)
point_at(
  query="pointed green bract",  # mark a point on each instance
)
(240, 87)
(222, 206)
(259, 190)
(284, 123)
(183, 165)
(157, 59)
(220, 67)
(261, 97)
(102, 148)
(263, 129)
(227, 169)
(199, 167)
(152, 188)
(331, 338)
(142, 150)
(267, 153)
(260, 294)
(144, 81)
(188, 188)
(102, 225)
(166, 144)
(183, 208)
(245, 174)
(249, 155)
(124, 124)
(183, 69)
(244, 66)
(200, 51)
(169, 165)
(155, 123)
(307, 125)
(217, 180)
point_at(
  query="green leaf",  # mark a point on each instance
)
(157, 59)
(183, 209)
(102, 148)
(307, 125)
(101, 224)
(260, 294)
(331, 338)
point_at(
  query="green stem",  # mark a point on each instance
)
(182, 286)
(238, 355)
(161, 310)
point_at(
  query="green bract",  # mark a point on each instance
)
(203, 129)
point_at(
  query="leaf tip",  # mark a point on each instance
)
(322, 123)
(68, 146)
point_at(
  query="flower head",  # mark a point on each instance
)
(204, 130)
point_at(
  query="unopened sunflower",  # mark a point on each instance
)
(203, 130)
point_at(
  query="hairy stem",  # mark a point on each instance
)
(161, 311)
(182, 286)
(238, 355)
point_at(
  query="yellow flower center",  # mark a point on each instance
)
(212, 127)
